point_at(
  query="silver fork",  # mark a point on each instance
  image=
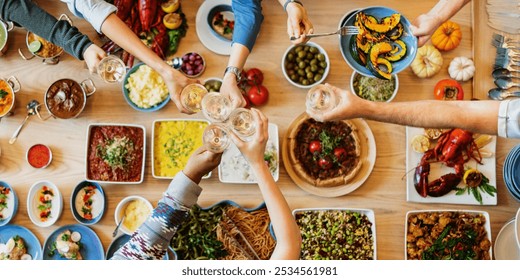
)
(344, 30)
(500, 41)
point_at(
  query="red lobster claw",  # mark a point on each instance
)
(443, 185)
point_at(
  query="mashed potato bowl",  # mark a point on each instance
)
(136, 210)
(144, 89)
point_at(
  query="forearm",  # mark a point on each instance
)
(248, 19)
(287, 232)
(445, 9)
(476, 116)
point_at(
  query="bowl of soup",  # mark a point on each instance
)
(4, 29)
(8, 88)
(66, 98)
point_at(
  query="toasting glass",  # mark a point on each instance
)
(242, 122)
(111, 69)
(191, 97)
(216, 107)
(320, 99)
(216, 137)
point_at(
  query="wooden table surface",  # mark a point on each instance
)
(384, 191)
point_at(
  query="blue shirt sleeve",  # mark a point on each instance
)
(248, 19)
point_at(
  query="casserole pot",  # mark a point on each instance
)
(11, 86)
(4, 29)
(66, 98)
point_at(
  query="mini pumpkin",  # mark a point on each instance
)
(427, 62)
(461, 69)
(447, 37)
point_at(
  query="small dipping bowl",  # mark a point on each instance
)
(39, 156)
(193, 64)
(140, 210)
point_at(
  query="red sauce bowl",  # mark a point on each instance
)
(39, 156)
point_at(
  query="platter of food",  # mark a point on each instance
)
(329, 159)
(73, 242)
(337, 233)
(174, 140)
(26, 244)
(44, 203)
(115, 153)
(234, 168)
(443, 185)
(213, 33)
(433, 234)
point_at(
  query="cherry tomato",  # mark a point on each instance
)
(315, 146)
(254, 77)
(340, 153)
(258, 95)
(325, 163)
(448, 89)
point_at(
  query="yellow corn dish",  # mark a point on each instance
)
(173, 143)
(136, 213)
(146, 87)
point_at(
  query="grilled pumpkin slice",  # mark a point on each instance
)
(397, 52)
(386, 24)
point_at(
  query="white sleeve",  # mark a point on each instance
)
(93, 11)
(509, 119)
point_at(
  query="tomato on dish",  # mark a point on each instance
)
(315, 147)
(325, 163)
(448, 89)
(340, 153)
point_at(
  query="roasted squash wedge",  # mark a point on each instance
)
(379, 49)
(387, 23)
(395, 33)
(382, 68)
(397, 52)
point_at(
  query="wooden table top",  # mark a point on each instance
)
(384, 191)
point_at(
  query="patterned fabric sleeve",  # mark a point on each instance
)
(151, 240)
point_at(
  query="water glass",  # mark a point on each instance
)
(191, 97)
(320, 99)
(111, 69)
(216, 137)
(216, 107)
(242, 122)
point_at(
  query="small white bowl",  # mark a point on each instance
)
(324, 75)
(33, 203)
(357, 74)
(121, 208)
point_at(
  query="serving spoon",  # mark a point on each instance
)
(32, 109)
(118, 226)
(507, 82)
(501, 94)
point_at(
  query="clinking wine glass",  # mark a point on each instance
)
(243, 124)
(320, 99)
(216, 137)
(191, 97)
(216, 107)
(111, 69)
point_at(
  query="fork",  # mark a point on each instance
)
(500, 41)
(344, 30)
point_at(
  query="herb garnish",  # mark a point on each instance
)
(457, 248)
(484, 186)
(328, 142)
(3, 93)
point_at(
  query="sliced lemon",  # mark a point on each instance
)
(170, 6)
(482, 140)
(172, 20)
(433, 133)
(75, 236)
(35, 46)
(420, 143)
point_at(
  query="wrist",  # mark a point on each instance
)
(234, 73)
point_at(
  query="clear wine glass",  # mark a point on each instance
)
(320, 99)
(242, 122)
(191, 97)
(216, 107)
(216, 137)
(111, 69)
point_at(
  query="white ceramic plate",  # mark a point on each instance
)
(484, 213)
(206, 36)
(234, 168)
(437, 170)
(517, 227)
(33, 202)
(504, 244)
(89, 130)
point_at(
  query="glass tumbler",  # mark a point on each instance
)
(111, 69)
(191, 97)
(216, 137)
(320, 99)
(242, 122)
(216, 107)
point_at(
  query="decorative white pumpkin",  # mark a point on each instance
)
(461, 69)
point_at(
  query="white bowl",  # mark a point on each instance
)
(356, 74)
(121, 208)
(12, 205)
(33, 202)
(326, 71)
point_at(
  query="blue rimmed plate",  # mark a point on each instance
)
(91, 248)
(206, 35)
(348, 42)
(126, 93)
(97, 200)
(119, 242)
(227, 14)
(10, 203)
(34, 248)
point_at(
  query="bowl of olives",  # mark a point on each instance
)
(305, 65)
(213, 84)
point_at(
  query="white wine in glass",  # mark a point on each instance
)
(242, 122)
(216, 107)
(320, 99)
(216, 137)
(111, 69)
(191, 97)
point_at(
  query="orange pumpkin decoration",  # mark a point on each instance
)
(447, 37)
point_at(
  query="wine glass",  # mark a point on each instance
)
(111, 69)
(216, 137)
(242, 122)
(216, 107)
(320, 99)
(191, 97)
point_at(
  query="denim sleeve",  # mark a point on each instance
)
(248, 19)
(509, 119)
(151, 240)
(27, 14)
(93, 11)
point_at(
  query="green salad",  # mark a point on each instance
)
(373, 89)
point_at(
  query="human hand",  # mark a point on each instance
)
(298, 23)
(176, 81)
(349, 106)
(254, 150)
(200, 163)
(92, 56)
(423, 27)
(232, 91)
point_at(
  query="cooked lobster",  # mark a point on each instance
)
(454, 148)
